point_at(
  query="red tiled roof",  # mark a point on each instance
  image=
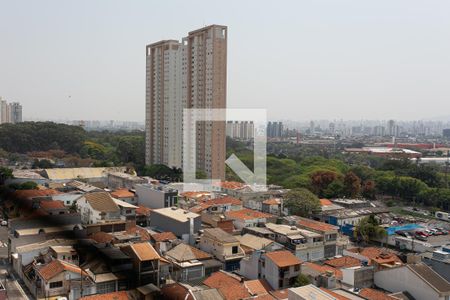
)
(176, 291)
(343, 262)
(144, 251)
(228, 285)
(144, 234)
(55, 267)
(226, 225)
(335, 295)
(122, 193)
(163, 236)
(122, 295)
(273, 201)
(102, 237)
(246, 214)
(142, 210)
(52, 204)
(283, 258)
(380, 255)
(323, 269)
(231, 185)
(223, 200)
(325, 202)
(195, 195)
(316, 225)
(257, 286)
(372, 294)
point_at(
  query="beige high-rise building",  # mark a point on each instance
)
(191, 74)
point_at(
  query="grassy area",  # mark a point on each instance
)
(401, 211)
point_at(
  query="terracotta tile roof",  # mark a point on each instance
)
(228, 285)
(316, 225)
(343, 262)
(372, 294)
(144, 234)
(122, 295)
(273, 201)
(264, 297)
(246, 214)
(142, 210)
(144, 251)
(52, 204)
(28, 194)
(183, 252)
(283, 258)
(380, 255)
(335, 295)
(226, 225)
(325, 202)
(122, 193)
(176, 291)
(257, 287)
(102, 237)
(200, 207)
(55, 267)
(323, 269)
(280, 294)
(101, 201)
(223, 200)
(164, 236)
(231, 185)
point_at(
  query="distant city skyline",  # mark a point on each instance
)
(309, 60)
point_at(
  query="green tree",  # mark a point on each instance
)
(302, 280)
(368, 229)
(5, 173)
(301, 202)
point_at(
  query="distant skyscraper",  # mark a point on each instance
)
(242, 130)
(10, 112)
(191, 74)
(274, 129)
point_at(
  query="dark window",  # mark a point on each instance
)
(234, 250)
(56, 284)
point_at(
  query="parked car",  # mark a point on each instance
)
(403, 233)
(4, 223)
(420, 237)
(422, 233)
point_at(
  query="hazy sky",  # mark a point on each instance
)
(301, 60)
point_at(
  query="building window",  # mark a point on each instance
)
(297, 268)
(234, 249)
(56, 284)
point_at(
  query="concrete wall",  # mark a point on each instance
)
(405, 280)
(164, 223)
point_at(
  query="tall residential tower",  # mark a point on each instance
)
(190, 74)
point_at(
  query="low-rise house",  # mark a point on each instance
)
(146, 263)
(248, 218)
(127, 210)
(321, 275)
(230, 286)
(64, 253)
(182, 223)
(217, 220)
(53, 207)
(329, 232)
(125, 195)
(373, 294)
(187, 263)
(143, 216)
(164, 241)
(98, 207)
(156, 196)
(55, 279)
(273, 206)
(380, 258)
(225, 247)
(280, 268)
(250, 243)
(419, 280)
(305, 244)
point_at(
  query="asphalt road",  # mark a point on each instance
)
(3, 242)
